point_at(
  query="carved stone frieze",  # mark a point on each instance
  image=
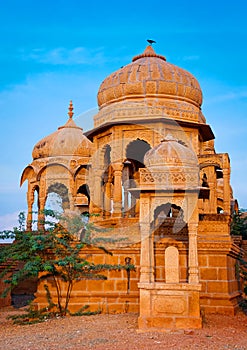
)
(134, 110)
(168, 179)
(210, 159)
(223, 247)
(215, 217)
(164, 242)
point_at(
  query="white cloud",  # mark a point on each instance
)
(64, 56)
(8, 221)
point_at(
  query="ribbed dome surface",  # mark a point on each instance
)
(150, 76)
(170, 153)
(68, 140)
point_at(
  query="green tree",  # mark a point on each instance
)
(239, 224)
(239, 228)
(55, 253)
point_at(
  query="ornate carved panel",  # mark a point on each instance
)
(182, 178)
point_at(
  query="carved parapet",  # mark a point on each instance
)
(170, 180)
(215, 217)
(214, 227)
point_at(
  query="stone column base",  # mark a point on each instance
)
(166, 307)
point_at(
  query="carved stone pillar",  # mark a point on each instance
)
(125, 179)
(97, 192)
(107, 197)
(133, 206)
(71, 202)
(193, 254)
(30, 200)
(41, 216)
(226, 193)
(117, 191)
(71, 195)
(147, 249)
(212, 208)
(126, 203)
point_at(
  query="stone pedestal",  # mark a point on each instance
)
(166, 307)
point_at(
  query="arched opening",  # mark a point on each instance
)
(220, 210)
(82, 200)
(204, 180)
(219, 172)
(135, 153)
(169, 228)
(84, 189)
(167, 214)
(54, 202)
(129, 180)
(33, 208)
(60, 196)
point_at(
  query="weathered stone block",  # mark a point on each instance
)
(109, 285)
(217, 287)
(203, 260)
(94, 285)
(163, 304)
(217, 261)
(208, 274)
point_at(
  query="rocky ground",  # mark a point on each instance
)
(119, 332)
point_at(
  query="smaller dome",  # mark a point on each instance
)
(169, 153)
(68, 140)
(172, 165)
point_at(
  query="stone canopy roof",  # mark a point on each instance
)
(150, 76)
(67, 140)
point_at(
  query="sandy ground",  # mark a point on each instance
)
(119, 332)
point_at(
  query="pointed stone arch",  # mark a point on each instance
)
(135, 151)
(168, 221)
(47, 170)
(60, 189)
(27, 174)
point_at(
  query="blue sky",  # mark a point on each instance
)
(56, 50)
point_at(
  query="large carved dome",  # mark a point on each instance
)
(68, 140)
(150, 76)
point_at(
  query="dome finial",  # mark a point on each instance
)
(149, 52)
(70, 112)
